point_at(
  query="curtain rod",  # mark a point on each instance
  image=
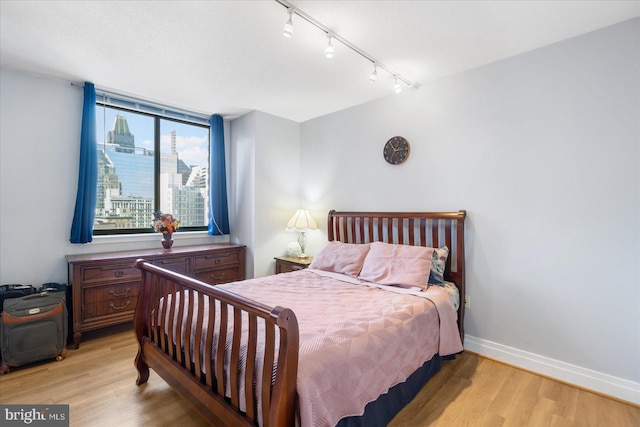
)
(155, 104)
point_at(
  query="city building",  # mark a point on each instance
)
(126, 183)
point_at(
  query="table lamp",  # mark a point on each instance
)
(302, 222)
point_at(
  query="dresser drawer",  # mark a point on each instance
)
(111, 272)
(120, 306)
(287, 268)
(178, 265)
(107, 293)
(218, 259)
(219, 275)
(287, 264)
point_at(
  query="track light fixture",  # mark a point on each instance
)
(287, 31)
(397, 88)
(374, 74)
(329, 51)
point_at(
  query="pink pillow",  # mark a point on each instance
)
(400, 265)
(338, 257)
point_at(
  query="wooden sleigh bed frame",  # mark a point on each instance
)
(199, 376)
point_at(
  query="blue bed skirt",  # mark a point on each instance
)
(381, 411)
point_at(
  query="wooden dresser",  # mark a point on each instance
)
(105, 286)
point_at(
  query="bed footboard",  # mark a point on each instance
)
(234, 359)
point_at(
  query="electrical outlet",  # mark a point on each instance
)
(467, 301)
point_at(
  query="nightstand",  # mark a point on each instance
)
(285, 264)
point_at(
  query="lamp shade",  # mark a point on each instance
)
(301, 221)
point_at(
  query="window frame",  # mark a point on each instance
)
(104, 103)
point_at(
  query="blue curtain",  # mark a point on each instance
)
(218, 210)
(82, 227)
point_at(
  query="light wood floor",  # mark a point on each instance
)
(98, 382)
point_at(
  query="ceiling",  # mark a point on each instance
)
(229, 57)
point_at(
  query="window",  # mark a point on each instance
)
(149, 162)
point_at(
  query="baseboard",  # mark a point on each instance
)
(618, 388)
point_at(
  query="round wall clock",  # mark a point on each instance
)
(396, 150)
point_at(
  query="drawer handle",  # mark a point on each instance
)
(213, 276)
(121, 294)
(218, 261)
(119, 273)
(122, 307)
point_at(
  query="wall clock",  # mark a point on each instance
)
(396, 150)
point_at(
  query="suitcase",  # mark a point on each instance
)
(62, 287)
(33, 328)
(14, 291)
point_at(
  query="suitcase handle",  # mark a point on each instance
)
(121, 294)
(38, 295)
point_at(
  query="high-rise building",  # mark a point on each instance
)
(107, 181)
(120, 134)
(126, 183)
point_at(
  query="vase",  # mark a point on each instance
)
(167, 242)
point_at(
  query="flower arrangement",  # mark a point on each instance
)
(165, 223)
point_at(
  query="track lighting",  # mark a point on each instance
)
(397, 88)
(374, 74)
(328, 52)
(287, 31)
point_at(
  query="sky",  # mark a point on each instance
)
(192, 142)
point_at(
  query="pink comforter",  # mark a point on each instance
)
(356, 341)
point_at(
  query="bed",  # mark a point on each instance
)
(290, 349)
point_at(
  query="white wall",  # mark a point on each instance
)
(37, 178)
(542, 150)
(243, 184)
(40, 122)
(266, 186)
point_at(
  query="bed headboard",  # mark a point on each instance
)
(430, 229)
